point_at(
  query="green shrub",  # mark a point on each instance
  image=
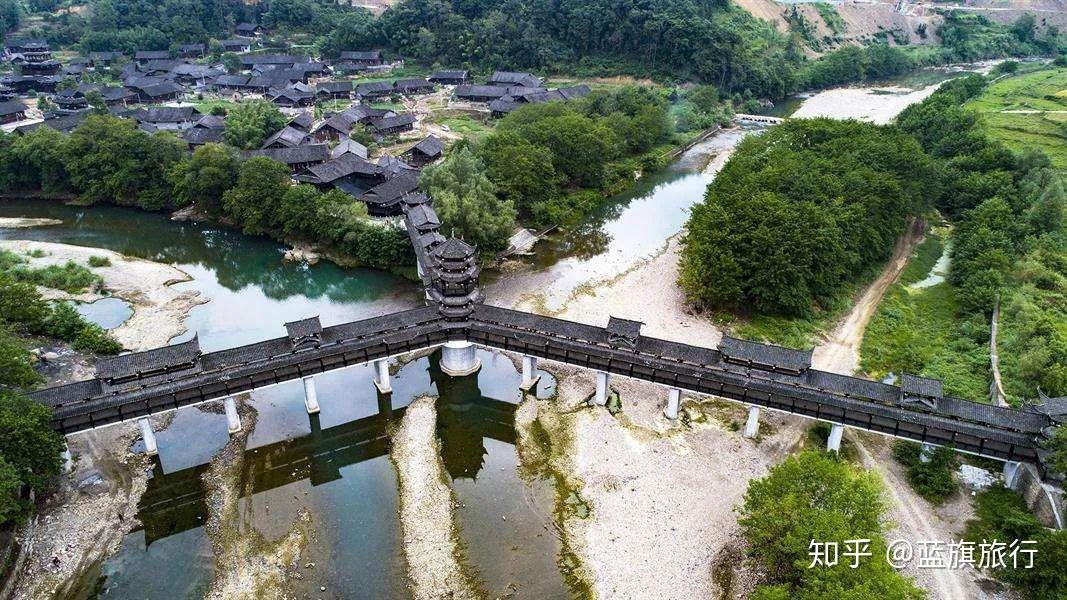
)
(99, 261)
(70, 277)
(94, 339)
(933, 479)
(816, 496)
(66, 324)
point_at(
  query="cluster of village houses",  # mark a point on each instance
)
(156, 84)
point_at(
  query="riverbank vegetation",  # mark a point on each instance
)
(931, 476)
(109, 160)
(800, 212)
(29, 447)
(1002, 515)
(817, 496)
(1008, 244)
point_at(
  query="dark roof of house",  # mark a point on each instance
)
(202, 135)
(362, 113)
(290, 136)
(308, 153)
(231, 80)
(273, 59)
(302, 121)
(343, 166)
(744, 351)
(913, 385)
(290, 94)
(11, 108)
(334, 86)
(64, 123)
(152, 55)
(167, 357)
(391, 122)
(211, 122)
(246, 27)
(479, 91)
(338, 123)
(392, 189)
(503, 105)
(114, 93)
(511, 77)
(349, 146)
(431, 146)
(196, 71)
(406, 84)
(361, 55)
(191, 48)
(161, 89)
(542, 96)
(168, 114)
(374, 86)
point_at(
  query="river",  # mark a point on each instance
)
(336, 465)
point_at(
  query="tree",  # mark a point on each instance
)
(522, 171)
(204, 177)
(27, 441)
(10, 507)
(1058, 446)
(253, 202)
(467, 203)
(110, 160)
(249, 123)
(814, 496)
(15, 368)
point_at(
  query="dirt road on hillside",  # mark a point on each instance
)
(840, 353)
(913, 519)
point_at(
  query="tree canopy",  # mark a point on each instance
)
(800, 211)
(467, 203)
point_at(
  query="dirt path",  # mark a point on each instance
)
(914, 519)
(840, 353)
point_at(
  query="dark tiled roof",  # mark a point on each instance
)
(180, 355)
(513, 78)
(202, 135)
(11, 108)
(374, 87)
(211, 122)
(392, 189)
(349, 146)
(302, 121)
(424, 218)
(913, 385)
(431, 146)
(168, 114)
(343, 166)
(623, 328)
(453, 249)
(479, 91)
(754, 353)
(334, 87)
(161, 89)
(304, 330)
(412, 84)
(392, 122)
(288, 136)
(152, 55)
(503, 105)
(310, 153)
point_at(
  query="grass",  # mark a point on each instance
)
(920, 331)
(830, 17)
(464, 125)
(206, 106)
(1042, 90)
(99, 261)
(70, 277)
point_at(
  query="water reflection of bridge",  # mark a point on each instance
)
(177, 501)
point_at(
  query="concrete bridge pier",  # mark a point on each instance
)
(1011, 473)
(311, 399)
(149, 436)
(529, 373)
(233, 420)
(381, 376)
(601, 396)
(833, 443)
(925, 452)
(459, 359)
(68, 460)
(752, 424)
(674, 400)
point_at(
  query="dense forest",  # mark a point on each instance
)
(801, 211)
(715, 42)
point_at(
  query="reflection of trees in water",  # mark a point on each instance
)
(237, 260)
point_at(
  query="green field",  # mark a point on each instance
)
(1042, 92)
